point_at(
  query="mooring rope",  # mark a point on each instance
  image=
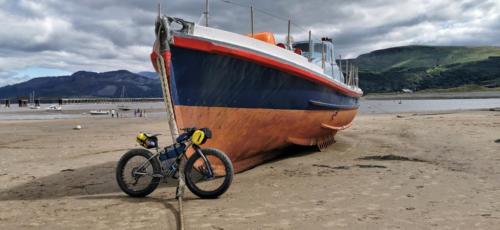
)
(174, 132)
(160, 61)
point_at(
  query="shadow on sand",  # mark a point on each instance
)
(99, 179)
(91, 180)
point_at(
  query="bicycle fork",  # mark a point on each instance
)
(207, 162)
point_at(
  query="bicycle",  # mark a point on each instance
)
(208, 172)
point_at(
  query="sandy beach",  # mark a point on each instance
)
(389, 171)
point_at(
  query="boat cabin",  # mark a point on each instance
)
(321, 53)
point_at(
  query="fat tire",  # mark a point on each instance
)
(121, 165)
(227, 180)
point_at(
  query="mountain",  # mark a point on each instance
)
(87, 84)
(386, 70)
(149, 74)
(428, 67)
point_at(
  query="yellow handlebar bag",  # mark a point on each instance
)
(198, 137)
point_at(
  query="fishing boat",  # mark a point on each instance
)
(255, 95)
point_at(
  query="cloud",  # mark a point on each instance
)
(103, 35)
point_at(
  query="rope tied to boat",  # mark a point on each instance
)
(163, 58)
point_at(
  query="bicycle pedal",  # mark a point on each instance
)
(157, 175)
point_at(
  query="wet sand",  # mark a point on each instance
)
(389, 171)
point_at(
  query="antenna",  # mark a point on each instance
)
(288, 38)
(206, 13)
(332, 60)
(159, 9)
(251, 18)
(323, 55)
(340, 62)
(347, 70)
(310, 46)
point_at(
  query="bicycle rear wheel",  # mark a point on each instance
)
(134, 173)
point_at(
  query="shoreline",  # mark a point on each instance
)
(367, 106)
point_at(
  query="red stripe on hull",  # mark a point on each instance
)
(248, 135)
(206, 46)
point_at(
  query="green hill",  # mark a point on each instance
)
(428, 67)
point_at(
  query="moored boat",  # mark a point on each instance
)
(255, 95)
(123, 107)
(57, 108)
(99, 112)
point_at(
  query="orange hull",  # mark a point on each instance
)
(247, 135)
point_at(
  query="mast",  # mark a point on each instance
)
(206, 13)
(340, 67)
(347, 70)
(288, 38)
(123, 92)
(310, 46)
(323, 57)
(332, 60)
(251, 19)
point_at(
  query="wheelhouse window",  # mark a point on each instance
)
(302, 46)
(317, 49)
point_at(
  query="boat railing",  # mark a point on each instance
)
(350, 72)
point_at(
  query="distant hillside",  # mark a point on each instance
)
(427, 67)
(410, 57)
(87, 84)
(387, 70)
(148, 74)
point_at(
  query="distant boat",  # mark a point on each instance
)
(99, 112)
(32, 102)
(54, 108)
(122, 106)
(255, 95)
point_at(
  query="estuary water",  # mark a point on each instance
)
(156, 109)
(433, 105)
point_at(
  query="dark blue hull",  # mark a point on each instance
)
(212, 80)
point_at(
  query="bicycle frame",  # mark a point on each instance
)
(163, 171)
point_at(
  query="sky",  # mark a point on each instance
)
(59, 37)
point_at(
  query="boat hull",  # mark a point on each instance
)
(248, 135)
(253, 103)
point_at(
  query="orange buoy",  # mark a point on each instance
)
(264, 36)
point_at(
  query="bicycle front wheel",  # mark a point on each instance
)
(201, 182)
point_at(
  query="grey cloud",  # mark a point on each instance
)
(103, 35)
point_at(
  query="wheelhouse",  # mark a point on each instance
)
(321, 53)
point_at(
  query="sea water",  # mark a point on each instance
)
(432, 105)
(156, 109)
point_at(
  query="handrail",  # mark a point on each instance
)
(332, 106)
